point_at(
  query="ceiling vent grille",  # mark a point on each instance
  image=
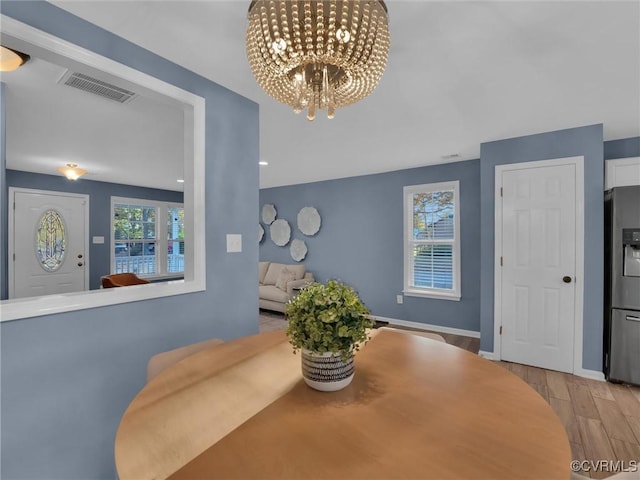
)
(97, 87)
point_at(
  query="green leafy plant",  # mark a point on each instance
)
(328, 318)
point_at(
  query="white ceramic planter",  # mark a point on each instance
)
(326, 372)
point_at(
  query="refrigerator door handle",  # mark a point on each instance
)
(632, 318)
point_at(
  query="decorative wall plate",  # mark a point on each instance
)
(268, 213)
(309, 221)
(260, 233)
(280, 232)
(298, 250)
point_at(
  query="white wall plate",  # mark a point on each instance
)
(280, 232)
(298, 250)
(269, 213)
(309, 221)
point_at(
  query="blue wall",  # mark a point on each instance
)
(66, 379)
(582, 141)
(99, 206)
(623, 148)
(361, 236)
(4, 212)
(360, 240)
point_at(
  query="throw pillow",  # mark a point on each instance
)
(272, 273)
(262, 271)
(284, 277)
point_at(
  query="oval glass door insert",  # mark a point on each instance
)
(51, 240)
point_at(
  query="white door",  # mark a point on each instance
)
(49, 239)
(538, 266)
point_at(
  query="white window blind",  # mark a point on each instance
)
(432, 259)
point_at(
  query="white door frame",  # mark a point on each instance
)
(11, 230)
(578, 162)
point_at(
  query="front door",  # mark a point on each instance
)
(49, 239)
(538, 266)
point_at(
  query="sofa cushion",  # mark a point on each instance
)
(262, 271)
(274, 270)
(273, 293)
(298, 270)
(285, 277)
(272, 273)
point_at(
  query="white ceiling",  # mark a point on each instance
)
(459, 74)
(50, 124)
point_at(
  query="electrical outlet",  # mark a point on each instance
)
(399, 299)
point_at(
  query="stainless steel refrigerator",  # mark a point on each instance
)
(622, 284)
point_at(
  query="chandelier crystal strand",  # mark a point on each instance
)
(318, 54)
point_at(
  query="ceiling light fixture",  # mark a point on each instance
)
(72, 172)
(11, 60)
(318, 54)
(263, 162)
(180, 180)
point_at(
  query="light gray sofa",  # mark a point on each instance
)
(276, 283)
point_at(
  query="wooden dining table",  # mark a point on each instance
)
(416, 409)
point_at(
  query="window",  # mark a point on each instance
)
(139, 236)
(175, 239)
(432, 240)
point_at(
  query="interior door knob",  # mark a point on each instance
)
(566, 279)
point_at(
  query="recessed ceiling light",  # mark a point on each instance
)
(262, 162)
(180, 180)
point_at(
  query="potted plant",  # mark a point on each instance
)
(328, 323)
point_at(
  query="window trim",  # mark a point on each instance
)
(407, 204)
(161, 239)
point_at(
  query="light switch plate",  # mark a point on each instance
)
(399, 299)
(234, 243)
(98, 240)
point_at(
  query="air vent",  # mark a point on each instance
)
(97, 87)
(451, 156)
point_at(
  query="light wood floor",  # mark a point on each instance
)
(602, 419)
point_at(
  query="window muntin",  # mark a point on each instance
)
(134, 233)
(175, 239)
(138, 234)
(432, 245)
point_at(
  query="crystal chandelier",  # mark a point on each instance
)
(318, 54)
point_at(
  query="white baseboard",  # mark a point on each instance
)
(427, 326)
(488, 355)
(592, 374)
